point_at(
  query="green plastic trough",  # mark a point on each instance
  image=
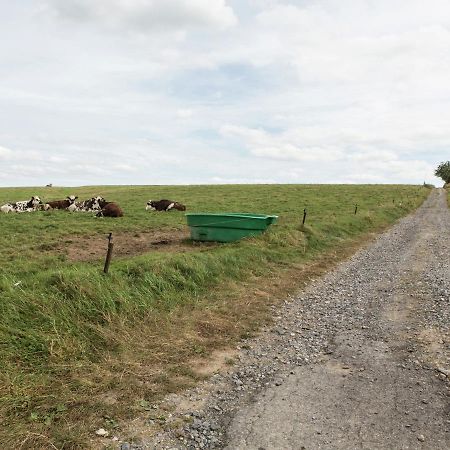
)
(227, 227)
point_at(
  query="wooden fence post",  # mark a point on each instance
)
(109, 253)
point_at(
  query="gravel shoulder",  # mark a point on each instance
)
(359, 360)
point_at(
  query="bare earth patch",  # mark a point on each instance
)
(91, 248)
(217, 362)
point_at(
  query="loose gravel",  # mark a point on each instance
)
(359, 360)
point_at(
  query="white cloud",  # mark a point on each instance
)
(5, 153)
(147, 15)
(385, 170)
(282, 146)
(333, 90)
(184, 113)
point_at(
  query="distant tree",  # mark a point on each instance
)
(443, 171)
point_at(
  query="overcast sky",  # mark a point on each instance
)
(223, 91)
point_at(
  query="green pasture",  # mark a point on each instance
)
(329, 209)
(59, 317)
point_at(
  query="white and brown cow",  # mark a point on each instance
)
(164, 205)
(90, 205)
(22, 206)
(61, 204)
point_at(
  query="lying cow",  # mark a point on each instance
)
(23, 206)
(90, 205)
(61, 204)
(164, 205)
(110, 209)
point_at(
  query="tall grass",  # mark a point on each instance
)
(67, 330)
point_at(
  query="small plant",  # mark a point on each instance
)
(110, 422)
(198, 349)
(145, 405)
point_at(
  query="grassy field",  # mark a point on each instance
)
(81, 350)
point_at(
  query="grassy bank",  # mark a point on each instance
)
(80, 350)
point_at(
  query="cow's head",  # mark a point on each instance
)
(35, 201)
(101, 201)
(71, 199)
(150, 206)
(96, 203)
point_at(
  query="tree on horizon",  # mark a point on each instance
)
(443, 171)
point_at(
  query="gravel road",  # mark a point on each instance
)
(360, 360)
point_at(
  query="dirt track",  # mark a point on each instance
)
(359, 360)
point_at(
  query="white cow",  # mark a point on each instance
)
(22, 206)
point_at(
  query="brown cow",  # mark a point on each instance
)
(110, 209)
(61, 204)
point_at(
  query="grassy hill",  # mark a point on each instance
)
(80, 350)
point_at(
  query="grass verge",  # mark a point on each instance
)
(80, 350)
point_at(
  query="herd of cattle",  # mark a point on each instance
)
(98, 205)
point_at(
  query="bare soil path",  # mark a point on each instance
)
(359, 361)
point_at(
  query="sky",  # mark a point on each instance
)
(223, 91)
